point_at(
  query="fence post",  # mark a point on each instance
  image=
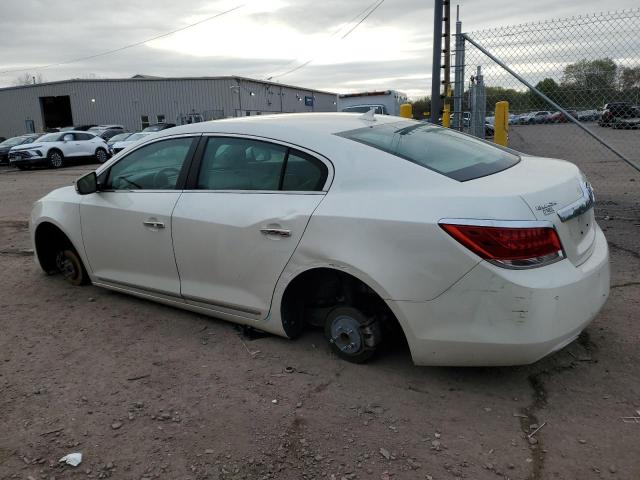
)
(458, 81)
(478, 105)
(501, 124)
(437, 61)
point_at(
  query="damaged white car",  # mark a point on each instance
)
(359, 224)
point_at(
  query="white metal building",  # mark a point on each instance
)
(142, 100)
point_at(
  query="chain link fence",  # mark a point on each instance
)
(589, 65)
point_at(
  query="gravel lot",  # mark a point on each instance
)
(147, 391)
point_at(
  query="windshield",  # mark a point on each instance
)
(50, 137)
(13, 141)
(136, 136)
(119, 137)
(455, 155)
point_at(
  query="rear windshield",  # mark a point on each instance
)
(455, 155)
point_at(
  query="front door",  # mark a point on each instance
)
(126, 227)
(238, 225)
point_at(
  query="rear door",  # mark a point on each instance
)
(71, 145)
(235, 228)
(88, 143)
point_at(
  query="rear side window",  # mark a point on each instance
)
(457, 156)
(247, 164)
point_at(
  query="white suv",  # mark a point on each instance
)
(55, 149)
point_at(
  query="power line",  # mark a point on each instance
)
(361, 21)
(369, 11)
(333, 34)
(89, 57)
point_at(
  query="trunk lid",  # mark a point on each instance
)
(550, 186)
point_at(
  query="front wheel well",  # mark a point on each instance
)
(310, 297)
(49, 240)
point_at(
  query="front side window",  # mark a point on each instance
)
(247, 164)
(455, 155)
(152, 167)
(84, 136)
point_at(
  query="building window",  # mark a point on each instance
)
(144, 119)
(160, 118)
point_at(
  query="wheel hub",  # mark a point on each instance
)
(66, 266)
(346, 334)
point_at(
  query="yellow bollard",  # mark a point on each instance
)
(406, 110)
(501, 124)
(446, 118)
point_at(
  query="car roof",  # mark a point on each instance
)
(305, 129)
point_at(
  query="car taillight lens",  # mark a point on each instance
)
(510, 247)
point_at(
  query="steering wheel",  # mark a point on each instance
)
(161, 178)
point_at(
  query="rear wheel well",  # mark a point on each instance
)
(310, 297)
(49, 240)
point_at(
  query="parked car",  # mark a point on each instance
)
(106, 131)
(626, 123)
(56, 149)
(588, 115)
(616, 110)
(130, 140)
(559, 117)
(466, 119)
(157, 127)
(535, 118)
(118, 138)
(476, 254)
(6, 145)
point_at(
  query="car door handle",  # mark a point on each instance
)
(280, 232)
(153, 224)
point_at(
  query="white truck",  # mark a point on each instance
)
(385, 102)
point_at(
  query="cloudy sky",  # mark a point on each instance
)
(262, 39)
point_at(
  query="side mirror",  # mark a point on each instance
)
(87, 184)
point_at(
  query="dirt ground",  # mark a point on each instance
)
(147, 391)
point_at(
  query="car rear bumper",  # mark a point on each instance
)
(495, 316)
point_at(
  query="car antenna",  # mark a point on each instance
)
(369, 116)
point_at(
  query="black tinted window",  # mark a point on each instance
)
(83, 136)
(241, 164)
(457, 156)
(303, 173)
(246, 164)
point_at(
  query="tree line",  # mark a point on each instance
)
(584, 85)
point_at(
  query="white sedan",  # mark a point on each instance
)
(359, 224)
(56, 149)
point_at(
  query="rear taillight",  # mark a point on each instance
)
(508, 244)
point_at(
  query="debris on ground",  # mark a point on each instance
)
(73, 459)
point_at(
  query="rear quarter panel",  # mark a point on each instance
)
(379, 222)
